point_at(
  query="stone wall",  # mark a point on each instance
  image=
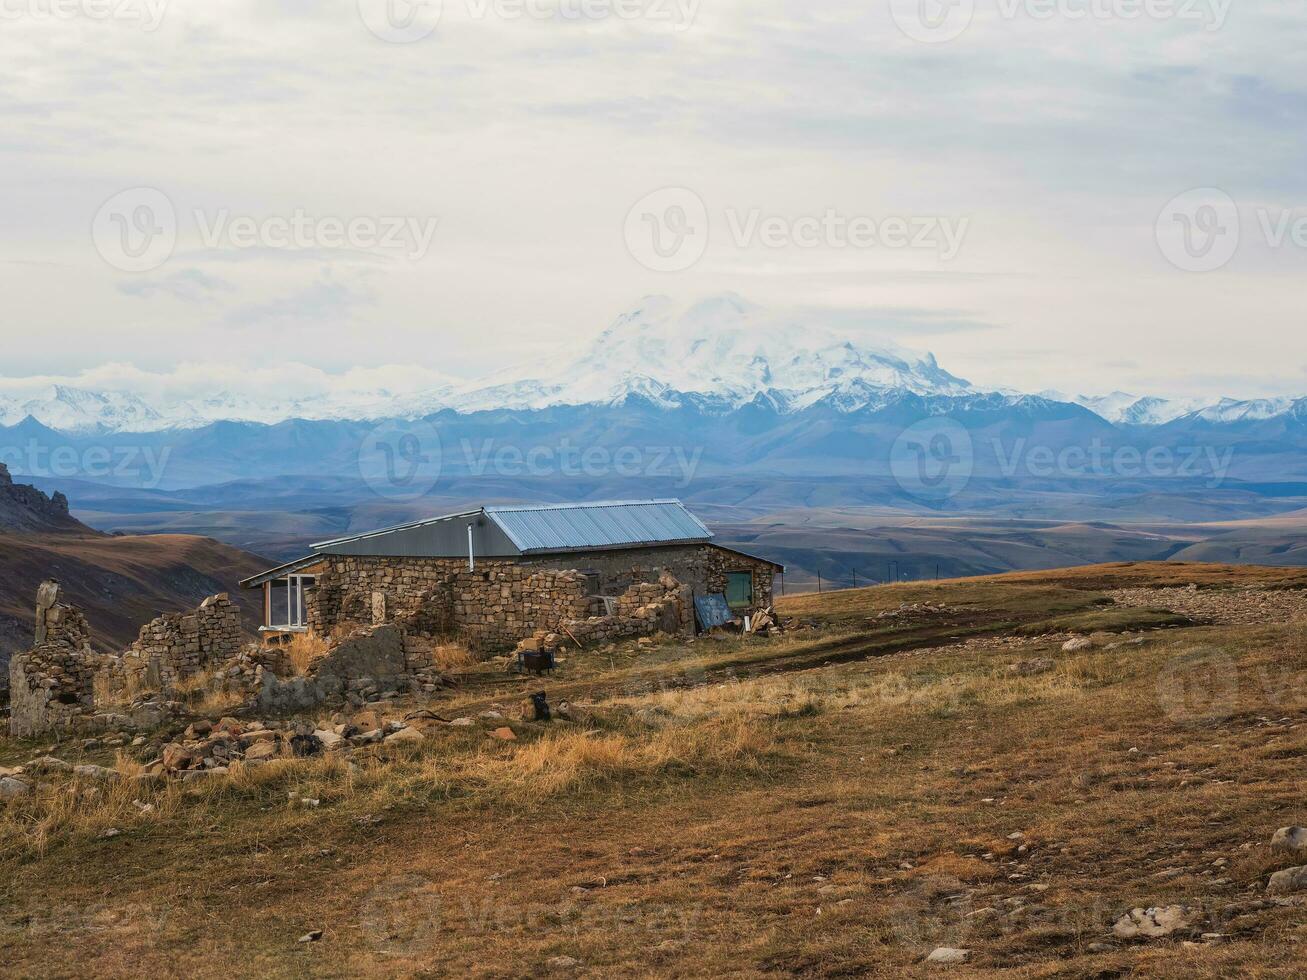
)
(177, 646)
(52, 686)
(643, 610)
(504, 600)
(491, 607)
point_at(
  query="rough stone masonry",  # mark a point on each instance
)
(52, 686)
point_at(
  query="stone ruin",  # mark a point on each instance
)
(178, 646)
(55, 683)
(52, 686)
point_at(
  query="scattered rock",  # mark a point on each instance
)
(405, 736)
(99, 773)
(1028, 668)
(504, 734)
(1290, 839)
(1077, 643)
(1287, 881)
(12, 789)
(1154, 923)
(948, 955)
(562, 963)
(47, 764)
(262, 751)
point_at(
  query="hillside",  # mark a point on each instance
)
(121, 582)
(1023, 768)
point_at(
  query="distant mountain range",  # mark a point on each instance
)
(720, 356)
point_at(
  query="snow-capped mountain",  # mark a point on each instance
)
(723, 347)
(718, 354)
(78, 410)
(1123, 408)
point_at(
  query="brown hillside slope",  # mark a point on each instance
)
(120, 582)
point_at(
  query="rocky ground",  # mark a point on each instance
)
(1237, 606)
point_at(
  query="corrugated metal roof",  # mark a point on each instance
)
(581, 527)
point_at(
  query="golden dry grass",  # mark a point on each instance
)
(452, 656)
(304, 650)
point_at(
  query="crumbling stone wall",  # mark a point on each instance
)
(180, 645)
(52, 686)
(504, 600)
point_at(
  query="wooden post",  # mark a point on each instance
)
(819, 583)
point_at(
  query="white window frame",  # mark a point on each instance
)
(296, 613)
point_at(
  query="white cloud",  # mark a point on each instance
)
(529, 140)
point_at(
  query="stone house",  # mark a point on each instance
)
(496, 575)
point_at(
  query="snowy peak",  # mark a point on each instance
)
(77, 410)
(717, 354)
(723, 347)
(1123, 408)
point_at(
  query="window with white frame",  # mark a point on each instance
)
(287, 604)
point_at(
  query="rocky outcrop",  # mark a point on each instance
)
(26, 509)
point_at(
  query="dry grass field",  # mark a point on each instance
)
(909, 767)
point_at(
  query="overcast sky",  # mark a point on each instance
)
(357, 186)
